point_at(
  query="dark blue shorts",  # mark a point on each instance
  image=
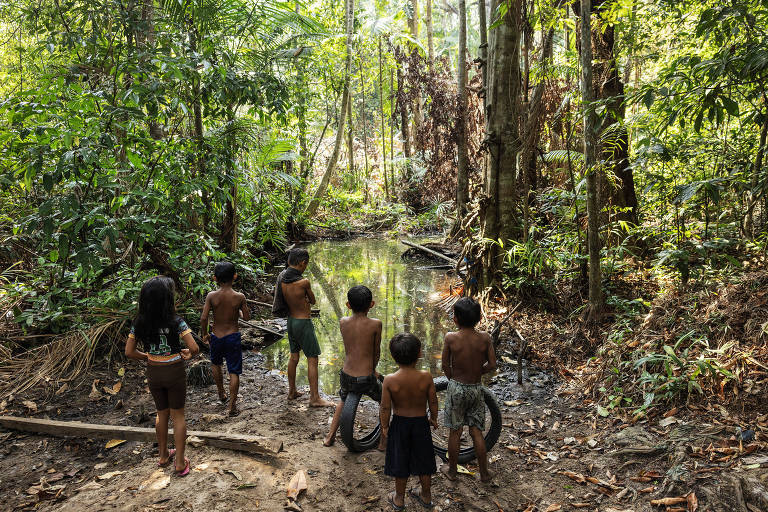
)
(229, 348)
(409, 448)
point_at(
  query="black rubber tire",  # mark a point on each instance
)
(468, 454)
(347, 427)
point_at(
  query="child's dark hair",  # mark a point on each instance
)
(405, 348)
(360, 298)
(298, 255)
(224, 272)
(157, 309)
(467, 312)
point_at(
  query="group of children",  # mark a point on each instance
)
(405, 395)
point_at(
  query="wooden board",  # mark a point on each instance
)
(239, 442)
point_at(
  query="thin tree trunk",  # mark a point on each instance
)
(197, 112)
(591, 126)
(483, 48)
(756, 172)
(462, 173)
(365, 128)
(418, 117)
(350, 139)
(404, 118)
(430, 36)
(392, 135)
(323, 186)
(383, 164)
(301, 114)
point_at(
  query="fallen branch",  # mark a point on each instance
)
(429, 251)
(497, 329)
(261, 327)
(520, 354)
(642, 450)
(239, 442)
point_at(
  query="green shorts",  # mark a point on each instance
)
(301, 337)
(464, 405)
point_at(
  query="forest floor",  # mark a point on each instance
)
(553, 454)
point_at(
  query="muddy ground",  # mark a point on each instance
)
(555, 453)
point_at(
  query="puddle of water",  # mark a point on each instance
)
(402, 294)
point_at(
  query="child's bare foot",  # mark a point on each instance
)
(328, 441)
(393, 500)
(421, 499)
(381, 447)
(319, 402)
(449, 474)
(294, 395)
(234, 412)
(223, 398)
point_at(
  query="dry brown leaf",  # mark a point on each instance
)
(693, 502)
(647, 489)
(297, 484)
(581, 505)
(669, 501)
(574, 476)
(29, 404)
(553, 507)
(111, 474)
(114, 442)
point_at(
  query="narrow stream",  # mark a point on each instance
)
(404, 293)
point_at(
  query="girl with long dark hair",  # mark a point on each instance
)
(161, 332)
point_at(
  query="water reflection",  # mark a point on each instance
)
(401, 292)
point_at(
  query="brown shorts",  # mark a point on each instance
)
(168, 385)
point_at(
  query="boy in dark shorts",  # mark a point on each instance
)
(294, 294)
(467, 355)
(225, 339)
(407, 393)
(362, 349)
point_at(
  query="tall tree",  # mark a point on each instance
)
(591, 127)
(499, 220)
(430, 36)
(462, 172)
(349, 16)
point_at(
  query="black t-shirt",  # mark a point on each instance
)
(166, 345)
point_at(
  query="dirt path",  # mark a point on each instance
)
(546, 435)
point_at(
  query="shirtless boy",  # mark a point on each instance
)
(362, 349)
(225, 339)
(295, 290)
(407, 393)
(467, 355)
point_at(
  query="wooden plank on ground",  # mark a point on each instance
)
(239, 442)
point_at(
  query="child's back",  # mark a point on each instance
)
(227, 304)
(362, 342)
(409, 391)
(468, 351)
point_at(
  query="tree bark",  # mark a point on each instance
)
(418, 116)
(591, 127)
(326, 179)
(365, 130)
(499, 221)
(483, 47)
(462, 173)
(350, 139)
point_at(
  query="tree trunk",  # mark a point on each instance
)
(301, 112)
(383, 164)
(197, 113)
(418, 116)
(483, 47)
(323, 186)
(430, 36)
(502, 136)
(365, 129)
(404, 119)
(462, 173)
(591, 127)
(350, 138)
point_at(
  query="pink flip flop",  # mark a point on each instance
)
(171, 453)
(185, 471)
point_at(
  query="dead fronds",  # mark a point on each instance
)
(62, 360)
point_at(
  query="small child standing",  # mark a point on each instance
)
(225, 340)
(467, 355)
(161, 332)
(407, 393)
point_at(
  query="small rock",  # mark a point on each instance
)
(592, 443)
(195, 441)
(569, 440)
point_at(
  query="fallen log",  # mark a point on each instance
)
(429, 251)
(259, 303)
(239, 442)
(261, 327)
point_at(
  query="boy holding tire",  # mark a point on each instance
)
(467, 355)
(362, 349)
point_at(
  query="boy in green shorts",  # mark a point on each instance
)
(294, 296)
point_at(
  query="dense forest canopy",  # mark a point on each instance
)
(563, 145)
